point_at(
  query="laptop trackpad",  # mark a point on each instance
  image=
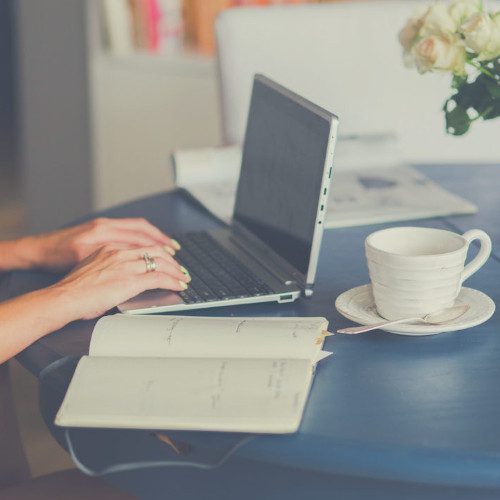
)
(151, 299)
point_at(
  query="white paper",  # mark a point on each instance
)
(371, 196)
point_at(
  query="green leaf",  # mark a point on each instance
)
(473, 100)
(457, 81)
(494, 112)
(477, 95)
(493, 87)
(473, 95)
(457, 119)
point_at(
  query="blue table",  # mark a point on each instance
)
(388, 417)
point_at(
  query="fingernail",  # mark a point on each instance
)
(183, 285)
(186, 272)
(170, 250)
(175, 243)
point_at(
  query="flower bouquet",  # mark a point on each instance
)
(464, 40)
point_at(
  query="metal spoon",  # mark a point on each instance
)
(436, 318)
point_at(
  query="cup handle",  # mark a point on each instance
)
(483, 254)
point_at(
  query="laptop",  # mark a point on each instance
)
(270, 250)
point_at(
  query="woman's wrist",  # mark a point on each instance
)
(63, 304)
(71, 303)
(23, 253)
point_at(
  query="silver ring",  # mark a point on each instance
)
(150, 263)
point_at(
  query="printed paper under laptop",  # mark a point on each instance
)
(279, 211)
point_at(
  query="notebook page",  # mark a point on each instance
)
(241, 395)
(185, 336)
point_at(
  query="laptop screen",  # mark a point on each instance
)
(281, 172)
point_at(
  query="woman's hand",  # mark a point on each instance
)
(112, 275)
(100, 282)
(62, 249)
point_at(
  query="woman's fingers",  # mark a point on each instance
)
(162, 280)
(112, 275)
(112, 235)
(65, 247)
(154, 259)
(135, 231)
(139, 261)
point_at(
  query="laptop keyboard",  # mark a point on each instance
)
(215, 273)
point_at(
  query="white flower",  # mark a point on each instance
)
(438, 22)
(493, 49)
(439, 54)
(409, 34)
(460, 10)
(482, 35)
(477, 31)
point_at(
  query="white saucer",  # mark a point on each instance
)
(357, 305)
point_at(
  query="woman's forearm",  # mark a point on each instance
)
(27, 318)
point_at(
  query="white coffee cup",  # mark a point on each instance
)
(415, 271)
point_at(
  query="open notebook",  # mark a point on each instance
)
(195, 373)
